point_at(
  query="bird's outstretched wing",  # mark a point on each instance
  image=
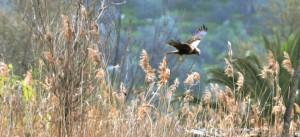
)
(182, 47)
(197, 37)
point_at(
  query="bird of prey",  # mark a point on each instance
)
(190, 46)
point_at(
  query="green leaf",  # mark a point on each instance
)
(28, 92)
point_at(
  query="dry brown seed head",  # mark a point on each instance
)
(49, 82)
(48, 56)
(48, 36)
(273, 64)
(145, 65)
(221, 97)
(113, 113)
(188, 96)
(95, 31)
(173, 88)
(100, 74)
(186, 108)
(228, 92)
(266, 72)
(287, 64)
(206, 98)
(67, 29)
(229, 68)
(196, 76)
(240, 81)
(296, 108)
(164, 72)
(192, 79)
(94, 55)
(28, 78)
(144, 61)
(143, 111)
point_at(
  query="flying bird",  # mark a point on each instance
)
(190, 46)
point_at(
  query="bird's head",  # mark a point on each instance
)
(196, 51)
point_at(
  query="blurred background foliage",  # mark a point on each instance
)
(129, 26)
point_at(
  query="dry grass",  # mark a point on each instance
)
(149, 114)
(71, 94)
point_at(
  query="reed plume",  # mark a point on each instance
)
(145, 65)
(28, 78)
(192, 79)
(272, 69)
(240, 81)
(229, 68)
(173, 88)
(67, 29)
(164, 72)
(94, 55)
(287, 64)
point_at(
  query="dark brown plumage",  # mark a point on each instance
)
(190, 46)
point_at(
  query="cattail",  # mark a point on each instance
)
(192, 79)
(229, 68)
(145, 65)
(4, 71)
(164, 72)
(287, 64)
(67, 29)
(240, 81)
(94, 55)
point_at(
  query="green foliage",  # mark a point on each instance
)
(28, 92)
(251, 66)
(291, 46)
(7, 81)
(2, 84)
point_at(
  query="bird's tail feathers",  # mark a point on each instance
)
(172, 52)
